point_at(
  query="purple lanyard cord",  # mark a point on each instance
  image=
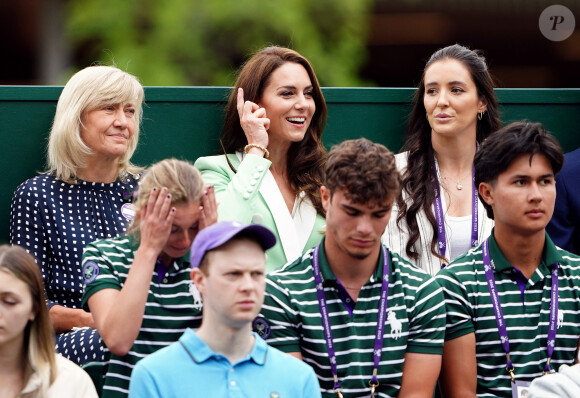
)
(500, 321)
(441, 235)
(378, 347)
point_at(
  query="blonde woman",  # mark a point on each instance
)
(138, 286)
(30, 367)
(84, 196)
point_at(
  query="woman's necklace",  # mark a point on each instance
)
(458, 184)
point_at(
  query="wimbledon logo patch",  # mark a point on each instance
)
(90, 271)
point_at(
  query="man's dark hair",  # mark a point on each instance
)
(501, 148)
(366, 171)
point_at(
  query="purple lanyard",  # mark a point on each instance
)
(374, 382)
(441, 236)
(499, 319)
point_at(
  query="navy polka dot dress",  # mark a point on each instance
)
(53, 221)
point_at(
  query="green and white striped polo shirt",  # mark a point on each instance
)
(168, 313)
(415, 322)
(469, 309)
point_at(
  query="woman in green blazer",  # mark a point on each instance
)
(271, 168)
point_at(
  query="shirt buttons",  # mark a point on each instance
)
(347, 300)
(250, 189)
(246, 196)
(257, 218)
(260, 168)
(253, 182)
(164, 280)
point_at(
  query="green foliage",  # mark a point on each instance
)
(197, 42)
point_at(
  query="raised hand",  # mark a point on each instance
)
(155, 220)
(253, 120)
(208, 214)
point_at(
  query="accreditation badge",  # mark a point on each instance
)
(520, 389)
(128, 211)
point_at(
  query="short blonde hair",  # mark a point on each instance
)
(39, 336)
(87, 90)
(183, 181)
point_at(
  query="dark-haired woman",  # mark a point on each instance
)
(271, 169)
(439, 216)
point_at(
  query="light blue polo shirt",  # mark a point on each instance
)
(190, 368)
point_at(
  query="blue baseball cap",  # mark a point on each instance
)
(221, 232)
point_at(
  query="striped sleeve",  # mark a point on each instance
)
(108, 257)
(425, 308)
(459, 311)
(280, 315)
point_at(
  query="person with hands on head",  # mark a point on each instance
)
(513, 301)
(84, 196)
(137, 286)
(273, 157)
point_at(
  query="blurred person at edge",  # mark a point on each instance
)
(564, 227)
(30, 367)
(84, 196)
(138, 285)
(273, 158)
(438, 215)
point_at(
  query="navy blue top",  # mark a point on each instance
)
(564, 228)
(54, 221)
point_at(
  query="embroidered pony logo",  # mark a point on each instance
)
(396, 325)
(197, 302)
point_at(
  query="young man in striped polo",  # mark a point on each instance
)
(365, 319)
(513, 303)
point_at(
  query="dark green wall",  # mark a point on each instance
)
(185, 122)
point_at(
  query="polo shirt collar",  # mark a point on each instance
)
(550, 255)
(328, 275)
(181, 263)
(200, 352)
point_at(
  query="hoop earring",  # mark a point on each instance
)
(480, 115)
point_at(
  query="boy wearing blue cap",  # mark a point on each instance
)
(224, 357)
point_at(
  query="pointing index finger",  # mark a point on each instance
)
(240, 100)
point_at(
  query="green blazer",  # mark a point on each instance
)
(251, 196)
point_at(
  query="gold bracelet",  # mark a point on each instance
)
(260, 147)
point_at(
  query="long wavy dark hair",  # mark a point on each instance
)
(306, 158)
(420, 174)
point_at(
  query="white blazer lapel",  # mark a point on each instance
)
(282, 217)
(293, 232)
(304, 218)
